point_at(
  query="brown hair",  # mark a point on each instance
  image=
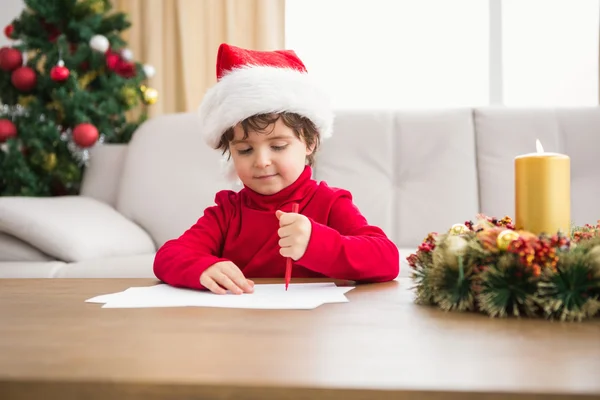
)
(303, 128)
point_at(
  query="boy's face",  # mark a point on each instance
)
(268, 161)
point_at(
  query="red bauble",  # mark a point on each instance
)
(24, 79)
(52, 35)
(125, 68)
(7, 130)
(112, 59)
(116, 63)
(59, 73)
(8, 31)
(85, 135)
(10, 59)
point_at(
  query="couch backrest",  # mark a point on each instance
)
(169, 177)
(102, 175)
(503, 133)
(410, 172)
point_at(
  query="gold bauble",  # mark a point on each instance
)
(505, 238)
(96, 6)
(49, 162)
(459, 229)
(129, 95)
(149, 95)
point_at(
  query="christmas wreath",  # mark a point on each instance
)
(490, 267)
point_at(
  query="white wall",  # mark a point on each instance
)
(9, 9)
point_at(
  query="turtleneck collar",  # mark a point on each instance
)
(282, 200)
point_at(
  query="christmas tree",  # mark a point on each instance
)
(67, 83)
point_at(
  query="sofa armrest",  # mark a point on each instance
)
(72, 228)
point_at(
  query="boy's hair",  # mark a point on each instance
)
(303, 128)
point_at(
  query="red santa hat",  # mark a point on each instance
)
(251, 82)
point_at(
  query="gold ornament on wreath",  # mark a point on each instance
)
(459, 229)
(505, 238)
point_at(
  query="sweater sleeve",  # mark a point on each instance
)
(349, 248)
(180, 262)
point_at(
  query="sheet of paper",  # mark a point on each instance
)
(267, 296)
(104, 298)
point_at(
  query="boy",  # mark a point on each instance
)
(268, 118)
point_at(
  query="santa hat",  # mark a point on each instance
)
(251, 82)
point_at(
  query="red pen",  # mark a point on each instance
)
(288, 261)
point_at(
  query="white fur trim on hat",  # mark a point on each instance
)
(251, 90)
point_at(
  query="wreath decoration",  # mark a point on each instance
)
(491, 268)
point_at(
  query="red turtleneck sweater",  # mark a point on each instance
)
(242, 228)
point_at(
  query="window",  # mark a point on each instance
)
(436, 53)
(550, 52)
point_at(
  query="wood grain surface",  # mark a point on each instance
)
(380, 345)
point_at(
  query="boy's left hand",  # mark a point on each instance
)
(294, 233)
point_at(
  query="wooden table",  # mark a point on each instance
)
(378, 346)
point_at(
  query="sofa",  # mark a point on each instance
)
(410, 172)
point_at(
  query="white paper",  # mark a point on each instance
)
(300, 296)
(106, 297)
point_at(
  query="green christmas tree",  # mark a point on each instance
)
(67, 83)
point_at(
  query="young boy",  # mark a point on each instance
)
(268, 118)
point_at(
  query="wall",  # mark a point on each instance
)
(9, 9)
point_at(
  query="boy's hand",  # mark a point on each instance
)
(223, 276)
(294, 233)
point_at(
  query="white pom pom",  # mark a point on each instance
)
(127, 54)
(149, 70)
(99, 43)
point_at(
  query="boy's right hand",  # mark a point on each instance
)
(223, 276)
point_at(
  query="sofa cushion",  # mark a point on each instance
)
(504, 133)
(138, 266)
(72, 228)
(31, 269)
(410, 172)
(366, 170)
(580, 135)
(170, 176)
(13, 249)
(103, 173)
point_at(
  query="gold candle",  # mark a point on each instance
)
(543, 192)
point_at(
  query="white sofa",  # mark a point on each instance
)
(410, 171)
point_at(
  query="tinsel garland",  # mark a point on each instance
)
(81, 155)
(491, 268)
